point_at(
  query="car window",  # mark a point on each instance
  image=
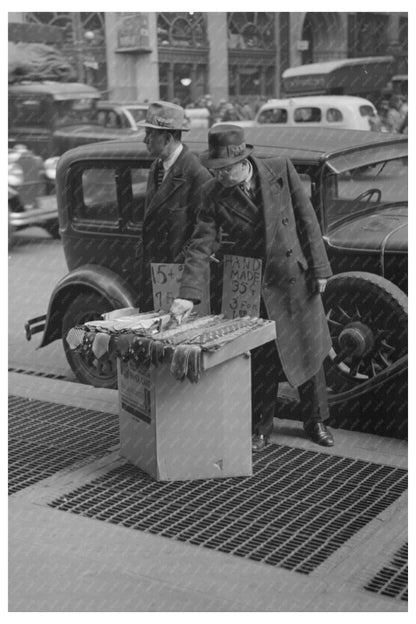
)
(29, 110)
(98, 201)
(136, 193)
(366, 111)
(273, 116)
(354, 190)
(307, 114)
(139, 114)
(76, 111)
(333, 115)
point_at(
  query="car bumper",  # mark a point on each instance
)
(45, 209)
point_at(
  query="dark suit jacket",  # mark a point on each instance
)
(170, 215)
(294, 256)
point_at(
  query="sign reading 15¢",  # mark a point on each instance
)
(166, 279)
(165, 283)
(241, 286)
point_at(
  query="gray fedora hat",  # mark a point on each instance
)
(226, 146)
(164, 116)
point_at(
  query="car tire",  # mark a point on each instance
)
(368, 321)
(85, 307)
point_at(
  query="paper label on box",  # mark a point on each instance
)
(135, 391)
(241, 286)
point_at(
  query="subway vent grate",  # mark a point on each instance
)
(392, 580)
(297, 509)
(26, 371)
(46, 437)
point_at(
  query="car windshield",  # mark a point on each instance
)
(352, 191)
(78, 111)
(139, 114)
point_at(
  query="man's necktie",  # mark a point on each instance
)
(247, 191)
(160, 172)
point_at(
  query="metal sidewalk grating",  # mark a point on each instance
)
(297, 509)
(47, 437)
(392, 580)
(33, 373)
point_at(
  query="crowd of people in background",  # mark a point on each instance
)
(238, 110)
(392, 115)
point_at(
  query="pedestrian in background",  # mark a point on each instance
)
(394, 118)
(172, 194)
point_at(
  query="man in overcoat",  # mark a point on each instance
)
(262, 206)
(172, 194)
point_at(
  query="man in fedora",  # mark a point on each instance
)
(172, 194)
(261, 205)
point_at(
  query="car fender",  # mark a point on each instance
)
(90, 277)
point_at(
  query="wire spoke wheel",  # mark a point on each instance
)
(88, 307)
(367, 319)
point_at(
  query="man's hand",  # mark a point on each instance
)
(181, 309)
(320, 285)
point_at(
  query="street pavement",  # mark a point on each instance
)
(62, 562)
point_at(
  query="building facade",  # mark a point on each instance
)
(145, 56)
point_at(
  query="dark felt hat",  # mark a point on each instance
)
(226, 146)
(164, 116)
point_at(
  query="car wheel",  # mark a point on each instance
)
(88, 307)
(367, 318)
(52, 227)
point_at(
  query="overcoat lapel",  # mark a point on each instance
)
(230, 199)
(173, 181)
(271, 186)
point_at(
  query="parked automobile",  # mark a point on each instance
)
(364, 77)
(120, 115)
(331, 111)
(357, 183)
(31, 191)
(51, 117)
(126, 115)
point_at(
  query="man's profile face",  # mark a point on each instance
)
(155, 141)
(232, 175)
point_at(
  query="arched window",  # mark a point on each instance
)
(251, 31)
(183, 57)
(182, 30)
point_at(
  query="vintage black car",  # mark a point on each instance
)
(357, 182)
(50, 117)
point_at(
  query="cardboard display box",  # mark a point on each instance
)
(177, 430)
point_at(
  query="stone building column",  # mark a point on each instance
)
(133, 74)
(295, 34)
(279, 69)
(218, 55)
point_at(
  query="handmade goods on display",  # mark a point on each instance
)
(151, 338)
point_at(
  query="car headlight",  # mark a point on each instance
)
(15, 174)
(50, 167)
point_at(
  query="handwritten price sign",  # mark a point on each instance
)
(241, 286)
(166, 278)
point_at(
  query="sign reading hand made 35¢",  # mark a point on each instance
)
(241, 286)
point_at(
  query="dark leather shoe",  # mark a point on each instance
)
(259, 442)
(320, 434)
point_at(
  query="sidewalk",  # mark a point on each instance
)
(65, 562)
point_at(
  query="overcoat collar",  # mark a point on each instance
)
(173, 181)
(271, 184)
